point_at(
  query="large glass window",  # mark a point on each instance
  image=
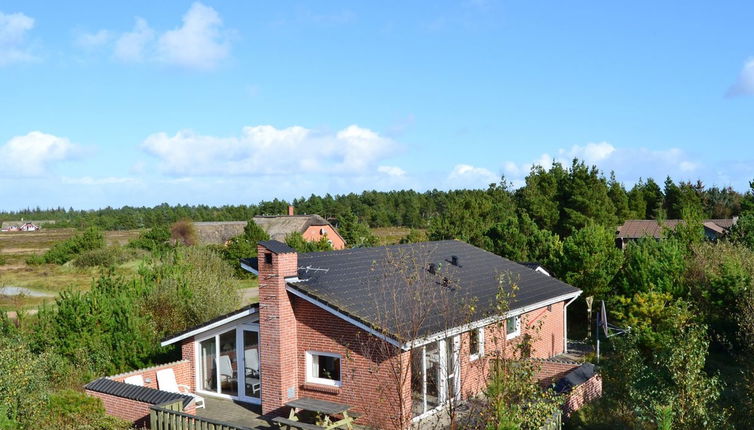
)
(251, 363)
(209, 373)
(227, 364)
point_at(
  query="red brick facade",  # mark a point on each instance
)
(316, 232)
(277, 334)
(129, 410)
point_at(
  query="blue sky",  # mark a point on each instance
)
(138, 103)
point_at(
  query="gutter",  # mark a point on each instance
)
(565, 322)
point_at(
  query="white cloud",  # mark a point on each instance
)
(32, 154)
(88, 180)
(266, 150)
(391, 170)
(630, 163)
(199, 43)
(745, 83)
(13, 30)
(130, 46)
(94, 40)
(467, 176)
(591, 153)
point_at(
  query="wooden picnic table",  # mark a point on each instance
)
(325, 408)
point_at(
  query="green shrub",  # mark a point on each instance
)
(62, 252)
(104, 257)
(156, 239)
(35, 260)
(3, 260)
(23, 384)
(73, 409)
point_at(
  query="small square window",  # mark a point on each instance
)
(323, 368)
(476, 344)
(267, 258)
(512, 327)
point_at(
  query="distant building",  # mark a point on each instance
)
(24, 225)
(311, 227)
(635, 229)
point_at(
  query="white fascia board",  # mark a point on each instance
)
(342, 316)
(486, 321)
(192, 333)
(248, 268)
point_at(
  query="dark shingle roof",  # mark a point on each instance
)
(277, 247)
(575, 378)
(252, 262)
(355, 281)
(135, 392)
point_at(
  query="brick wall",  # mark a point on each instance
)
(277, 334)
(545, 327)
(187, 353)
(368, 377)
(182, 370)
(583, 394)
(129, 410)
(314, 233)
(370, 369)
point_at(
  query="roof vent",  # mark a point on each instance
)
(454, 260)
(432, 268)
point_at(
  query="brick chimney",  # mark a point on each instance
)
(277, 326)
(290, 210)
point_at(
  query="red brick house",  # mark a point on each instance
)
(336, 326)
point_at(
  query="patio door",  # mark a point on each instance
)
(218, 364)
(249, 356)
(435, 375)
(229, 364)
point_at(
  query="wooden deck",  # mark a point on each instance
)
(237, 413)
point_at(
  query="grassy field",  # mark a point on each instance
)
(391, 235)
(16, 247)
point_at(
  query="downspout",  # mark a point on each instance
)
(565, 323)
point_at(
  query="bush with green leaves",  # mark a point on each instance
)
(188, 286)
(67, 250)
(104, 330)
(155, 240)
(296, 241)
(652, 265)
(24, 386)
(244, 246)
(70, 409)
(105, 257)
(590, 260)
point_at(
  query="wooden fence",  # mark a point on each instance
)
(168, 416)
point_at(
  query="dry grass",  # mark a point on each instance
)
(391, 235)
(17, 246)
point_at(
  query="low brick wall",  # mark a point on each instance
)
(551, 370)
(136, 411)
(582, 394)
(129, 410)
(182, 370)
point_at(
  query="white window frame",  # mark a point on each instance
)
(323, 381)
(517, 331)
(480, 344)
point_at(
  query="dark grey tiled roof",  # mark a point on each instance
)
(370, 285)
(277, 247)
(575, 378)
(252, 262)
(530, 264)
(135, 392)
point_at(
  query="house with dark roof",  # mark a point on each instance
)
(400, 330)
(634, 229)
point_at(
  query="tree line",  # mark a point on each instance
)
(560, 199)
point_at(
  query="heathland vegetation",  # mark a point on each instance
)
(690, 302)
